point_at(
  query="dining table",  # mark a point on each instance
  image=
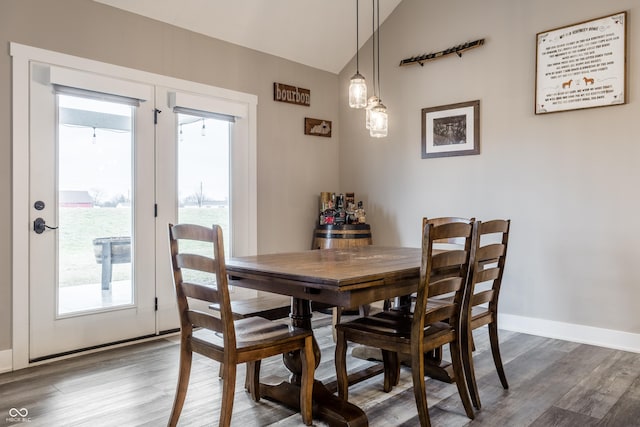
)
(346, 277)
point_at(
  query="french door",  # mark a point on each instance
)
(104, 157)
(92, 211)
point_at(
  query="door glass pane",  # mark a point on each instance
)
(203, 173)
(95, 143)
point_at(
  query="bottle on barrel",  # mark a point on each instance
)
(341, 214)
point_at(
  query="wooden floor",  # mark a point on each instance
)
(553, 383)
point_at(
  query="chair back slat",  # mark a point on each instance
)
(439, 313)
(205, 320)
(486, 275)
(197, 262)
(201, 292)
(490, 252)
(447, 220)
(482, 297)
(445, 286)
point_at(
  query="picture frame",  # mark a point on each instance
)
(582, 65)
(317, 127)
(451, 130)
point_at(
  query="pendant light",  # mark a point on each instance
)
(357, 87)
(378, 117)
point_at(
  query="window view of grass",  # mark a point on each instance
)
(80, 226)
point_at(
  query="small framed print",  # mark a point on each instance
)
(451, 130)
(317, 127)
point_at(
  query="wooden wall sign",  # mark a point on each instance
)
(317, 127)
(582, 65)
(291, 94)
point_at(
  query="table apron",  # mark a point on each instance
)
(351, 296)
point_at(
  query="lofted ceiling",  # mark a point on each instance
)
(320, 33)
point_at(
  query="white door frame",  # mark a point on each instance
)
(245, 243)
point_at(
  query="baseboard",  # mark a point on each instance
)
(610, 338)
(6, 361)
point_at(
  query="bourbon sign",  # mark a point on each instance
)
(291, 94)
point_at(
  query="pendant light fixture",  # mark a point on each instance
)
(378, 117)
(357, 87)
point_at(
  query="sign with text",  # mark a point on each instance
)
(581, 66)
(291, 94)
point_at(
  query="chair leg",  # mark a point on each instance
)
(183, 382)
(336, 314)
(252, 380)
(341, 365)
(228, 389)
(391, 363)
(420, 391)
(456, 361)
(467, 348)
(306, 383)
(495, 350)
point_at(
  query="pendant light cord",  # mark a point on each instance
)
(379, 90)
(373, 43)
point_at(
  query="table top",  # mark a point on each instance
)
(337, 276)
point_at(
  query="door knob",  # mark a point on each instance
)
(39, 226)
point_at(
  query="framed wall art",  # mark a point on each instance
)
(581, 65)
(451, 130)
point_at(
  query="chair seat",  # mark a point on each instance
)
(393, 326)
(253, 333)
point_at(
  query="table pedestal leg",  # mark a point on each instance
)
(326, 405)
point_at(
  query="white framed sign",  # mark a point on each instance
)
(581, 65)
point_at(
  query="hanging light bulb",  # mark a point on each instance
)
(372, 102)
(203, 131)
(357, 87)
(379, 121)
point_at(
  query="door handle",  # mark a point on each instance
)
(39, 226)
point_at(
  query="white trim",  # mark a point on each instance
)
(610, 338)
(6, 358)
(22, 56)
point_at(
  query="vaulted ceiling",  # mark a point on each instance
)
(320, 33)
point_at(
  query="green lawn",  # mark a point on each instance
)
(79, 226)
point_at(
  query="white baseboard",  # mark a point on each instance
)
(6, 361)
(610, 338)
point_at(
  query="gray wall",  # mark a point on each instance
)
(292, 168)
(568, 180)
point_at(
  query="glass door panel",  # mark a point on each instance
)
(95, 216)
(203, 172)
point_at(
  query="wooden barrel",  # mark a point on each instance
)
(342, 236)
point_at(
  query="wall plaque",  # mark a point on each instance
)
(291, 94)
(582, 65)
(317, 127)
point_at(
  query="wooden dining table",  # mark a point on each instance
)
(339, 277)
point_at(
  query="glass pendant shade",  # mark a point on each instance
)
(379, 121)
(371, 102)
(357, 92)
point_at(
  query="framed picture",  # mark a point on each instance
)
(317, 127)
(451, 130)
(581, 65)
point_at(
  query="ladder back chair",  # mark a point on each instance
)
(483, 291)
(426, 328)
(203, 277)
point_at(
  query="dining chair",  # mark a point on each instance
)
(199, 273)
(483, 291)
(424, 329)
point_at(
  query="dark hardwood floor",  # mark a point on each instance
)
(552, 383)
